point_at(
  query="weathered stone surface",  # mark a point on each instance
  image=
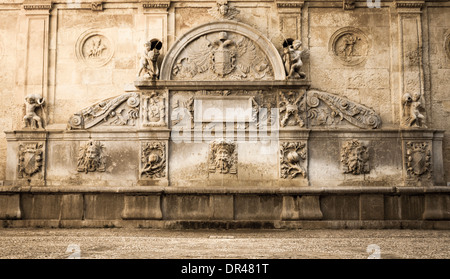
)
(10, 207)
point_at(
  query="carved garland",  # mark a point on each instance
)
(291, 156)
(153, 159)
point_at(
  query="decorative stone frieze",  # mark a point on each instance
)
(97, 6)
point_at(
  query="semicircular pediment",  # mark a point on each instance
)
(225, 50)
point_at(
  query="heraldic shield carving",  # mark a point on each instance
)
(30, 159)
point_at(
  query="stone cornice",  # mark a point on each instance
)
(409, 4)
(290, 4)
(156, 5)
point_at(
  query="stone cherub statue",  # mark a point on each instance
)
(149, 59)
(412, 106)
(292, 58)
(31, 119)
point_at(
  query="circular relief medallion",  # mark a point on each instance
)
(94, 48)
(349, 46)
(447, 46)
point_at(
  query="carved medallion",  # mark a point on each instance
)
(292, 154)
(355, 157)
(221, 56)
(94, 48)
(153, 159)
(418, 159)
(153, 110)
(349, 45)
(291, 106)
(223, 157)
(31, 157)
(90, 157)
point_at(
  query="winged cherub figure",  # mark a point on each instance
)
(292, 58)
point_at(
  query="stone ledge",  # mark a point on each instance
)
(216, 85)
(226, 190)
(228, 225)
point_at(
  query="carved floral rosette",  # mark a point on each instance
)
(355, 157)
(327, 109)
(292, 156)
(418, 160)
(153, 160)
(31, 159)
(91, 157)
(118, 111)
(223, 157)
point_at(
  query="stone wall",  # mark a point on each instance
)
(46, 48)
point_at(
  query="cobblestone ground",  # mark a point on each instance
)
(223, 244)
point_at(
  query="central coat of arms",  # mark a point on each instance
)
(227, 56)
(223, 56)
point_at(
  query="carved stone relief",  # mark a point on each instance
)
(292, 156)
(148, 65)
(291, 106)
(418, 160)
(94, 48)
(413, 106)
(33, 102)
(91, 158)
(153, 110)
(328, 109)
(119, 111)
(355, 157)
(97, 6)
(293, 56)
(31, 159)
(349, 45)
(348, 4)
(223, 157)
(222, 56)
(153, 159)
(223, 11)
